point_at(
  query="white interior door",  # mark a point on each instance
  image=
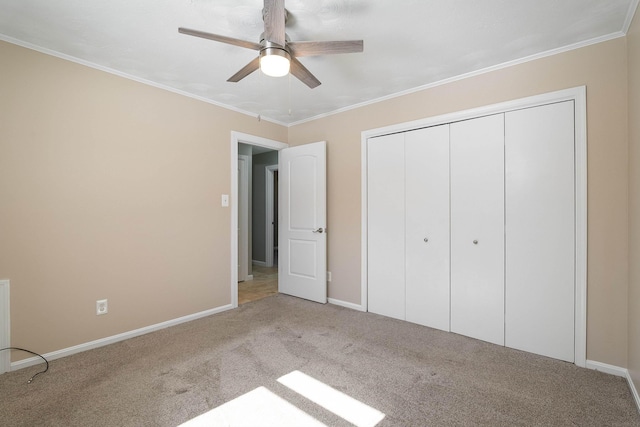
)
(385, 224)
(540, 224)
(477, 228)
(302, 240)
(427, 226)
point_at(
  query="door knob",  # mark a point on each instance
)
(475, 242)
(319, 230)
(426, 240)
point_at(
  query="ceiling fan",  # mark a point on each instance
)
(278, 56)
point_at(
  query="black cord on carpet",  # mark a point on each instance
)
(32, 352)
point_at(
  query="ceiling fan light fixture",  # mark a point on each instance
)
(275, 62)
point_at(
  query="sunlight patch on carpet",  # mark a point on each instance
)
(259, 407)
(332, 400)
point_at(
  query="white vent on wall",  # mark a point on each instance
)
(5, 356)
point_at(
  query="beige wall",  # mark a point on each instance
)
(602, 68)
(109, 189)
(633, 46)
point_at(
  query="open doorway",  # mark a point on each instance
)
(257, 223)
(238, 138)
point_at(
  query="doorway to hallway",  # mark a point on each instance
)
(258, 217)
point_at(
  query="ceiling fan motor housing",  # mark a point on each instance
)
(264, 42)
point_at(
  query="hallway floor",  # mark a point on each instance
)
(264, 284)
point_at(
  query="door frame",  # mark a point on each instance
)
(5, 332)
(243, 214)
(245, 138)
(269, 205)
(576, 94)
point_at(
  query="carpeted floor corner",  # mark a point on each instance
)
(415, 375)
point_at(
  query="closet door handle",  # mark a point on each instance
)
(475, 242)
(426, 239)
(319, 230)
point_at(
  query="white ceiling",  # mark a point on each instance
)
(408, 44)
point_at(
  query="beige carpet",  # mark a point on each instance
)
(412, 375)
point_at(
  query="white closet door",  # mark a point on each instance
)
(540, 239)
(427, 226)
(385, 198)
(477, 228)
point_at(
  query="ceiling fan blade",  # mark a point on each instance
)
(273, 15)
(325, 48)
(246, 70)
(304, 75)
(219, 38)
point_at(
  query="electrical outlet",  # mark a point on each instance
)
(328, 276)
(101, 307)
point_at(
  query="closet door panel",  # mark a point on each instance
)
(540, 230)
(477, 228)
(427, 226)
(386, 225)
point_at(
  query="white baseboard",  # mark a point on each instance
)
(259, 263)
(116, 338)
(634, 390)
(619, 372)
(350, 305)
(607, 369)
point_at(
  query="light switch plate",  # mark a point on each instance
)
(225, 200)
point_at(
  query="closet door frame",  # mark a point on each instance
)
(578, 95)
